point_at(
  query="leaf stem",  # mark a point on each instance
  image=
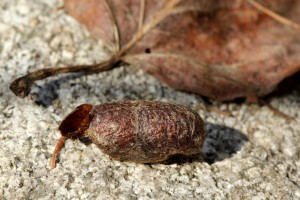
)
(21, 86)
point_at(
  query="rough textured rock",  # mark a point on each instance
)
(252, 154)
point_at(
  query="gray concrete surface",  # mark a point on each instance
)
(252, 154)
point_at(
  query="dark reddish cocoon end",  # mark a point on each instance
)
(57, 149)
(76, 123)
(73, 127)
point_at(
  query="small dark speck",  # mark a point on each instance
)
(148, 50)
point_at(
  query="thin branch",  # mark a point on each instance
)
(115, 26)
(274, 15)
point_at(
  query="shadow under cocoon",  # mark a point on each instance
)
(220, 143)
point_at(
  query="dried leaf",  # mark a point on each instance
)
(221, 49)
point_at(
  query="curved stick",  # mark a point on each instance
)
(21, 86)
(57, 149)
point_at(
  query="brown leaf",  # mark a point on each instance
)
(221, 49)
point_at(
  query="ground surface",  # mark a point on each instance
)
(252, 154)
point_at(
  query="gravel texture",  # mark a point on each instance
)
(251, 154)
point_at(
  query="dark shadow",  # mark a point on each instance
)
(221, 142)
(47, 92)
(85, 140)
(287, 86)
